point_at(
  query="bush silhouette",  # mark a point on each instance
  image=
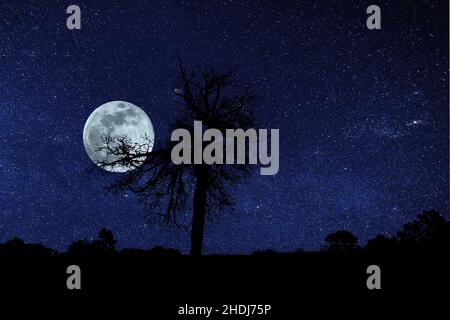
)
(161, 251)
(341, 240)
(17, 247)
(107, 241)
(105, 244)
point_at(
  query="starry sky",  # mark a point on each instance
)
(363, 115)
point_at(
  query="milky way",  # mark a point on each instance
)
(363, 115)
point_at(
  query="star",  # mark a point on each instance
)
(414, 123)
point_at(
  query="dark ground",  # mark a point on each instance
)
(414, 277)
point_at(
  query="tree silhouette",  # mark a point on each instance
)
(428, 227)
(380, 244)
(169, 190)
(104, 244)
(341, 240)
(106, 240)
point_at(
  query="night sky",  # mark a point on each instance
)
(363, 115)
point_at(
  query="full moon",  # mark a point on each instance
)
(116, 118)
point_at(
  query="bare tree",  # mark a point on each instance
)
(169, 190)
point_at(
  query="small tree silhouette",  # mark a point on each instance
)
(341, 240)
(107, 241)
(104, 244)
(82, 247)
(168, 189)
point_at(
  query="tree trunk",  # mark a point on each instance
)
(199, 210)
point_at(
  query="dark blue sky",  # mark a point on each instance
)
(363, 115)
